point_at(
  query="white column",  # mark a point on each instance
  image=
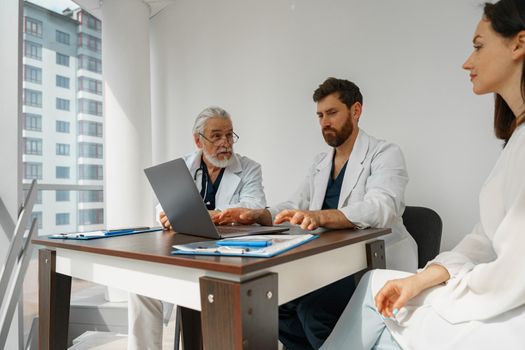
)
(10, 133)
(126, 75)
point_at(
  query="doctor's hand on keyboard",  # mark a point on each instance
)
(244, 216)
(165, 222)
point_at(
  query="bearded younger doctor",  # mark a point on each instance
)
(360, 182)
(224, 180)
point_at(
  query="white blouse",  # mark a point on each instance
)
(482, 306)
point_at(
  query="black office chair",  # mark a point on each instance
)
(425, 226)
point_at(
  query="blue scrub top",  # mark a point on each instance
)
(333, 189)
(208, 188)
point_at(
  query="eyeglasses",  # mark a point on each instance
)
(216, 139)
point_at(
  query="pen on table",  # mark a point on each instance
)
(255, 243)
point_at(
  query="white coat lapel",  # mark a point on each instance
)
(354, 167)
(230, 181)
(320, 181)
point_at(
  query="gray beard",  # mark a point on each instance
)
(217, 162)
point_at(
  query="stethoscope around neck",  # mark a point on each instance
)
(205, 180)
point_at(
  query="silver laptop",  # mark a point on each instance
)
(182, 203)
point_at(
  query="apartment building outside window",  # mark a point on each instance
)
(62, 172)
(33, 26)
(32, 146)
(90, 216)
(62, 59)
(32, 74)
(89, 42)
(90, 21)
(62, 196)
(90, 85)
(88, 106)
(62, 37)
(62, 219)
(90, 196)
(90, 172)
(62, 126)
(89, 128)
(90, 150)
(32, 170)
(62, 149)
(62, 104)
(62, 81)
(89, 63)
(32, 50)
(32, 98)
(32, 122)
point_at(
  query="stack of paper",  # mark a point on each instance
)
(250, 246)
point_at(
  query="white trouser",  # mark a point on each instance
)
(144, 323)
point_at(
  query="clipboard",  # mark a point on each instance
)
(104, 233)
(245, 247)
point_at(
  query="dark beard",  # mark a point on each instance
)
(337, 138)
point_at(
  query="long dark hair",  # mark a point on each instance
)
(507, 18)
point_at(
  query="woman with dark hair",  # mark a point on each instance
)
(472, 297)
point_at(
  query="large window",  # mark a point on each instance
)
(32, 170)
(90, 150)
(62, 59)
(33, 26)
(90, 63)
(62, 126)
(32, 74)
(32, 98)
(62, 172)
(32, 50)
(32, 122)
(89, 128)
(90, 85)
(90, 196)
(90, 216)
(62, 104)
(32, 146)
(90, 172)
(88, 106)
(62, 149)
(62, 37)
(62, 81)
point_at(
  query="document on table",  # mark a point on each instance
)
(264, 246)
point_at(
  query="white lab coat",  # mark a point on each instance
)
(482, 306)
(241, 184)
(372, 194)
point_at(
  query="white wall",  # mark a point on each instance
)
(261, 60)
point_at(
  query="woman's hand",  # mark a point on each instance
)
(395, 294)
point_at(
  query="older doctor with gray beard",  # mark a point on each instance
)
(225, 180)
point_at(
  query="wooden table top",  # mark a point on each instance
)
(157, 247)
